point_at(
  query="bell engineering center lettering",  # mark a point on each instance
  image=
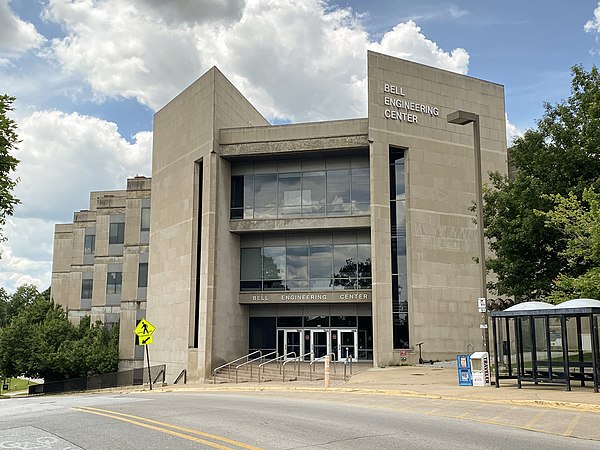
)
(311, 297)
(401, 109)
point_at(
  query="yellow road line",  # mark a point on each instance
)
(535, 418)
(128, 418)
(569, 430)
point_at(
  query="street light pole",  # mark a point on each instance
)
(463, 118)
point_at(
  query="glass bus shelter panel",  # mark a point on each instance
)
(524, 326)
(507, 346)
(556, 347)
(541, 346)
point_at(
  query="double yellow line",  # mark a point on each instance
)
(173, 430)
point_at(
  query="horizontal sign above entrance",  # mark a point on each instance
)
(306, 297)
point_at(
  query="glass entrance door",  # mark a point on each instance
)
(315, 344)
(318, 343)
(347, 344)
(291, 343)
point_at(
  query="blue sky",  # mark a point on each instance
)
(89, 75)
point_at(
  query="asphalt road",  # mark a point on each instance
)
(270, 420)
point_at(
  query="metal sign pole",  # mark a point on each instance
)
(149, 374)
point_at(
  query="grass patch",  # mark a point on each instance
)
(15, 384)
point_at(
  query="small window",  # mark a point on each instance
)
(145, 219)
(143, 275)
(89, 244)
(86, 288)
(114, 282)
(117, 233)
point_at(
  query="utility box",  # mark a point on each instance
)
(480, 369)
(464, 370)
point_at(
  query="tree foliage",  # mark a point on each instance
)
(41, 342)
(8, 163)
(559, 157)
(579, 221)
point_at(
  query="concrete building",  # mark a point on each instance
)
(100, 264)
(347, 237)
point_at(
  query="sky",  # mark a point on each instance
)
(88, 76)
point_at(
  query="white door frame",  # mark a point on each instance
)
(341, 352)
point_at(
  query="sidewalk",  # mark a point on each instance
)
(432, 382)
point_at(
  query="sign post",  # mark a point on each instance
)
(144, 332)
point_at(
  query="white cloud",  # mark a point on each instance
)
(65, 156)
(512, 132)
(406, 41)
(16, 35)
(297, 60)
(124, 52)
(26, 256)
(593, 25)
(196, 11)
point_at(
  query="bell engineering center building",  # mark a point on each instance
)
(332, 237)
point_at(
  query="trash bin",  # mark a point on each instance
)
(464, 370)
(480, 369)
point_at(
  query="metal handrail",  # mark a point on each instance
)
(183, 374)
(162, 372)
(228, 365)
(261, 357)
(297, 360)
(348, 363)
(278, 359)
(322, 358)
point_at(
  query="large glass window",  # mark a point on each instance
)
(145, 223)
(86, 288)
(313, 193)
(289, 200)
(299, 268)
(398, 232)
(116, 233)
(338, 192)
(237, 197)
(273, 268)
(143, 275)
(251, 269)
(89, 244)
(320, 267)
(361, 191)
(265, 196)
(303, 193)
(114, 282)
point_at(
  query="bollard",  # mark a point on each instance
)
(327, 373)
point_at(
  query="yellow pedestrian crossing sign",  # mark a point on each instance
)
(144, 331)
(144, 328)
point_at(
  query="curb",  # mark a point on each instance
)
(548, 404)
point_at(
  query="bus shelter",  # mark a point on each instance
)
(542, 343)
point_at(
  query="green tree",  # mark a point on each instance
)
(41, 342)
(25, 295)
(8, 163)
(579, 221)
(558, 157)
(4, 300)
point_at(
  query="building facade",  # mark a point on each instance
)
(100, 264)
(352, 237)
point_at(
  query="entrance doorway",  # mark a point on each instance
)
(316, 343)
(347, 344)
(319, 343)
(289, 341)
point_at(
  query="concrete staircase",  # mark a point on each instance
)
(274, 372)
